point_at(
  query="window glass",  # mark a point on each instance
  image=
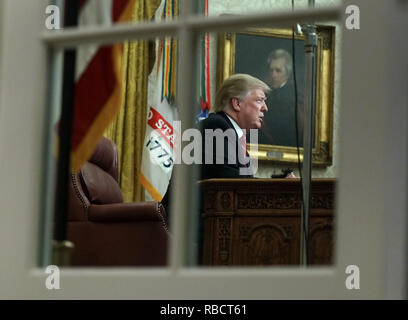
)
(251, 86)
(246, 221)
(116, 109)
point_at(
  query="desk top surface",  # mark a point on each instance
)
(263, 182)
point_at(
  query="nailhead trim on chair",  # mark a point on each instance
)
(78, 193)
(159, 212)
(85, 206)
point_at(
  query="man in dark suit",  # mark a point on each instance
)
(280, 126)
(239, 106)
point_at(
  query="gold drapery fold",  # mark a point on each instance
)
(127, 130)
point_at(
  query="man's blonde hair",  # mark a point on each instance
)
(237, 86)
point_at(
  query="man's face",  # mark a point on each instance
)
(278, 72)
(252, 110)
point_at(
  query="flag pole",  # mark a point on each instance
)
(61, 248)
(309, 31)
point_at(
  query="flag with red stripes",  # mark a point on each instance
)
(98, 88)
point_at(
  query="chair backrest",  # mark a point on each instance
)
(97, 181)
(99, 176)
(106, 157)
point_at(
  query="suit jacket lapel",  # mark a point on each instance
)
(224, 115)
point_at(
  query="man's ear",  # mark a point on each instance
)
(235, 104)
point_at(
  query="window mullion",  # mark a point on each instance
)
(184, 174)
(72, 37)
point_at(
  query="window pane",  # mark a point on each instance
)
(237, 220)
(246, 221)
(112, 204)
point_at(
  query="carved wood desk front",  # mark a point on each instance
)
(257, 221)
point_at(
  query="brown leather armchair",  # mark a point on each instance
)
(105, 230)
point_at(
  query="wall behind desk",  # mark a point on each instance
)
(218, 7)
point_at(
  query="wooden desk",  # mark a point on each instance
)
(257, 221)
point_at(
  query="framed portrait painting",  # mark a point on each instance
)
(268, 55)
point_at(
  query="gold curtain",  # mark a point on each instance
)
(127, 130)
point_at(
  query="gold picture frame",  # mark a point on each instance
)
(241, 52)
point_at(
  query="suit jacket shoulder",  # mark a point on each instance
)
(227, 169)
(217, 120)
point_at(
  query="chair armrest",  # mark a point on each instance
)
(121, 234)
(127, 212)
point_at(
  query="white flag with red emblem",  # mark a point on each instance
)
(158, 150)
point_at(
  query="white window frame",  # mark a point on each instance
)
(370, 214)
